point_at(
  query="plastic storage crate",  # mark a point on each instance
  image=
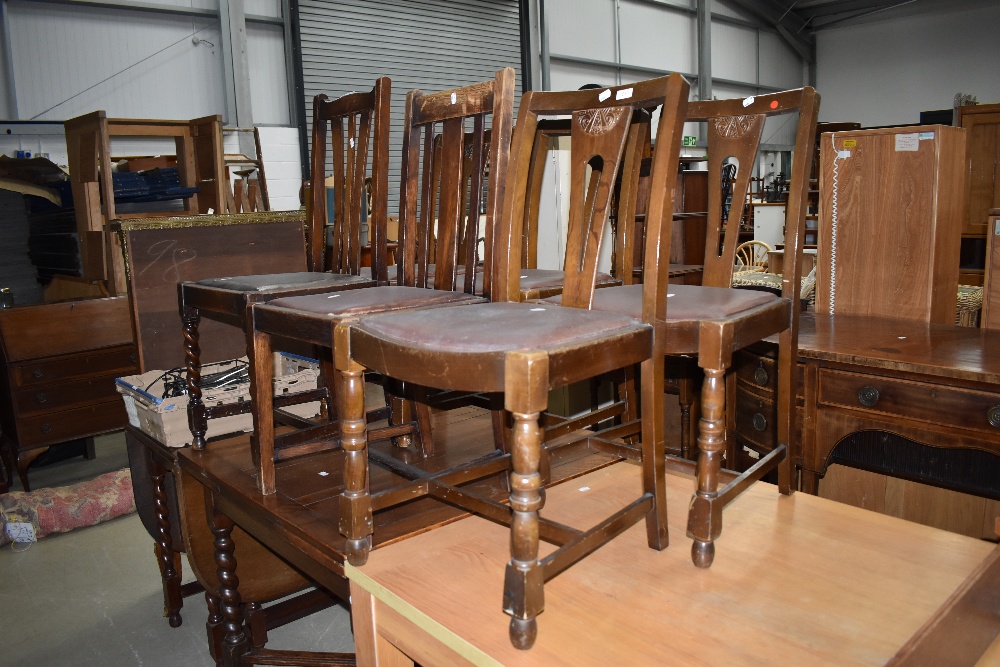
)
(165, 419)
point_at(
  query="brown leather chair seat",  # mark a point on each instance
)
(684, 302)
(512, 326)
(383, 299)
(284, 281)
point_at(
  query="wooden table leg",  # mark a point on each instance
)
(8, 457)
(370, 647)
(213, 627)
(235, 643)
(24, 457)
(170, 575)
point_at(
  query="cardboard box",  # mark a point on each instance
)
(166, 418)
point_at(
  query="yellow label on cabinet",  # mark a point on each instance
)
(850, 143)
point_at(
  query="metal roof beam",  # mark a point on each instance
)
(804, 46)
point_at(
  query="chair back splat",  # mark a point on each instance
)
(353, 127)
(446, 151)
(633, 196)
(598, 137)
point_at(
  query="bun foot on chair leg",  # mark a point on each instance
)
(357, 551)
(523, 633)
(702, 553)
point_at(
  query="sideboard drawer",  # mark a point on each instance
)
(942, 404)
(55, 427)
(756, 419)
(757, 371)
(63, 395)
(115, 361)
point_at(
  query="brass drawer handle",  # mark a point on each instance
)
(760, 376)
(868, 396)
(134, 358)
(993, 416)
(759, 422)
(38, 373)
(41, 397)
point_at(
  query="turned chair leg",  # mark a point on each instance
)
(526, 398)
(705, 515)
(356, 522)
(197, 420)
(524, 595)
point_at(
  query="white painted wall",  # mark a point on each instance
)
(887, 72)
(280, 147)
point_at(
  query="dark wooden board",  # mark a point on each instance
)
(160, 255)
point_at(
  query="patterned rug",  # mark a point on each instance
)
(61, 509)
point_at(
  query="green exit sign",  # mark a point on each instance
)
(690, 141)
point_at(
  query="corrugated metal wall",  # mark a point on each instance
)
(616, 41)
(69, 60)
(268, 78)
(426, 44)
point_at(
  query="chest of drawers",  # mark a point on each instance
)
(57, 384)
(931, 393)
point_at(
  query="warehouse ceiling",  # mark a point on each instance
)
(798, 21)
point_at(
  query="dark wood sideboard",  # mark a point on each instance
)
(60, 362)
(927, 395)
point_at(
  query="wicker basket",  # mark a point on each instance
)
(970, 302)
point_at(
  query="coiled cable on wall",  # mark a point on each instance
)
(833, 226)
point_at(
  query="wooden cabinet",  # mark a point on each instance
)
(991, 285)
(58, 381)
(812, 212)
(982, 126)
(914, 406)
(891, 213)
(687, 245)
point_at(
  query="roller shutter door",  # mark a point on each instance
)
(427, 44)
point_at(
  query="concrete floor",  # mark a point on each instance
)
(93, 597)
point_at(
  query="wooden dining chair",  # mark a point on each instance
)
(352, 134)
(523, 350)
(430, 195)
(712, 320)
